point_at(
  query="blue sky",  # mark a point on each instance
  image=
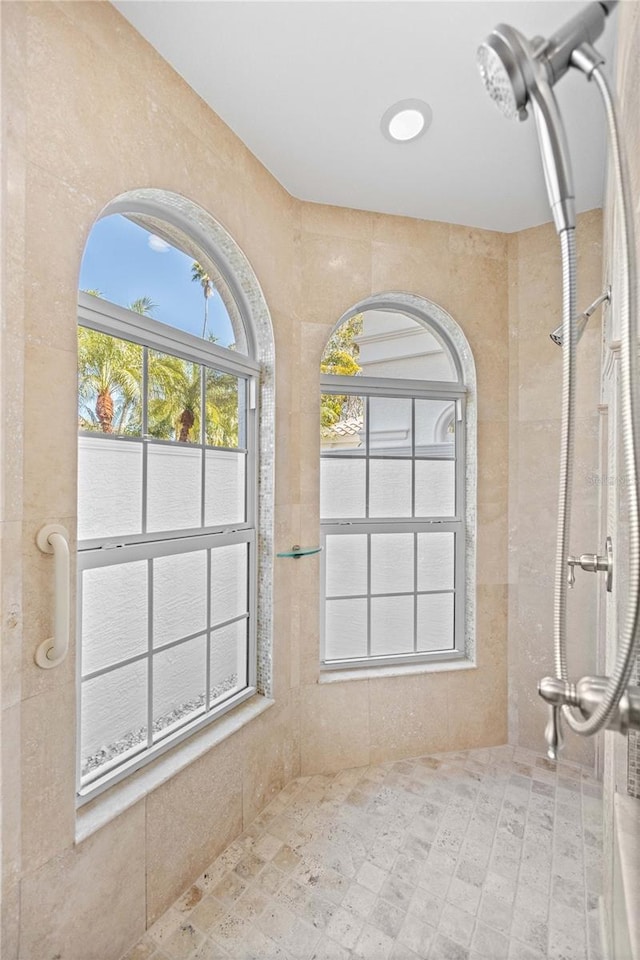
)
(125, 262)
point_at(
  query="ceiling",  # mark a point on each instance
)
(304, 85)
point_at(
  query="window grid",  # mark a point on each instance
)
(155, 743)
(415, 524)
(148, 545)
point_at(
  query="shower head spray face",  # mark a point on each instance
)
(500, 60)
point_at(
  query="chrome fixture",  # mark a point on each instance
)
(592, 563)
(583, 319)
(587, 695)
(517, 73)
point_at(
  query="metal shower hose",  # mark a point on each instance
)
(630, 386)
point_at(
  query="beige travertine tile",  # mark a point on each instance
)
(408, 716)
(47, 733)
(476, 713)
(493, 461)
(332, 221)
(13, 435)
(190, 819)
(11, 795)
(492, 543)
(11, 611)
(334, 720)
(50, 456)
(10, 921)
(410, 232)
(492, 370)
(478, 297)
(88, 902)
(473, 242)
(265, 759)
(336, 274)
(422, 269)
(491, 626)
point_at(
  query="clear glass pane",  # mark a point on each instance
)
(392, 563)
(435, 488)
(345, 629)
(175, 398)
(228, 652)
(390, 427)
(436, 561)
(224, 418)
(342, 488)
(346, 565)
(342, 422)
(228, 582)
(114, 614)
(435, 428)
(224, 487)
(179, 596)
(388, 343)
(174, 280)
(114, 716)
(173, 487)
(109, 384)
(389, 488)
(435, 621)
(391, 625)
(179, 684)
(109, 488)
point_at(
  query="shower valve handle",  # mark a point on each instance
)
(593, 563)
(555, 693)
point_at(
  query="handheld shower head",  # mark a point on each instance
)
(517, 72)
(583, 319)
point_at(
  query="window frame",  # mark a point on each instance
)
(117, 321)
(462, 395)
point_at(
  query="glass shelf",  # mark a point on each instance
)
(296, 552)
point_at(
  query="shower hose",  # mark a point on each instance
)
(630, 417)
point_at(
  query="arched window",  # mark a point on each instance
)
(168, 449)
(397, 486)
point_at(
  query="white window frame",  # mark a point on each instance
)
(461, 392)
(117, 321)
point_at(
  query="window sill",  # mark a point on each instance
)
(397, 670)
(125, 794)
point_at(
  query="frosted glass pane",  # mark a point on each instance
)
(228, 582)
(435, 561)
(179, 683)
(392, 556)
(435, 488)
(114, 614)
(435, 427)
(179, 596)
(435, 622)
(390, 426)
(391, 625)
(224, 488)
(173, 487)
(345, 629)
(346, 565)
(342, 488)
(228, 652)
(389, 488)
(114, 716)
(109, 488)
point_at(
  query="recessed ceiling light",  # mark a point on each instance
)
(406, 120)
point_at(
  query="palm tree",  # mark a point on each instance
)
(143, 305)
(110, 380)
(174, 402)
(199, 275)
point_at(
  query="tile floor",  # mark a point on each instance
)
(492, 853)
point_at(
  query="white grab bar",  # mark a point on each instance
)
(53, 538)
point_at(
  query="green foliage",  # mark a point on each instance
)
(108, 367)
(341, 359)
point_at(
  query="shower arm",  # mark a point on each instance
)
(606, 704)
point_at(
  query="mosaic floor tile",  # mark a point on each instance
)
(488, 854)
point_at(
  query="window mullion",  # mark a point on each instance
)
(150, 653)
